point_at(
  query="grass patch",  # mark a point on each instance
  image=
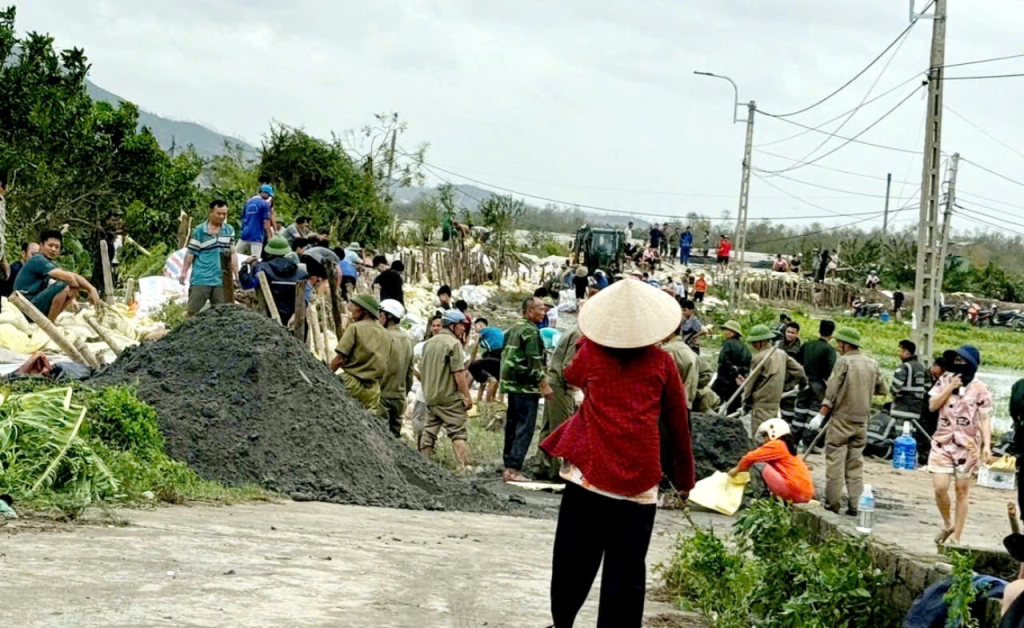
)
(55, 464)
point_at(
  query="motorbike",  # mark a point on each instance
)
(992, 317)
(864, 309)
(953, 312)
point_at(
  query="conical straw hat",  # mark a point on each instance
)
(629, 314)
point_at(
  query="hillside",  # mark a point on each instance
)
(176, 132)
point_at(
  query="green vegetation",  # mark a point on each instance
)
(768, 573)
(58, 456)
(961, 594)
(171, 314)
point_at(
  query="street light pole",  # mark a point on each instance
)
(740, 236)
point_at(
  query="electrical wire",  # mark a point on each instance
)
(854, 139)
(984, 132)
(999, 225)
(831, 168)
(875, 215)
(992, 172)
(831, 120)
(960, 192)
(957, 65)
(982, 77)
(825, 187)
(848, 140)
(858, 75)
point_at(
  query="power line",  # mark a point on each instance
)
(982, 77)
(831, 120)
(856, 76)
(848, 140)
(999, 225)
(875, 215)
(853, 139)
(433, 168)
(992, 172)
(831, 168)
(960, 192)
(825, 187)
(957, 65)
(984, 132)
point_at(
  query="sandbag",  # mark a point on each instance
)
(720, 492)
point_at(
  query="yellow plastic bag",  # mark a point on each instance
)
(1006, 463)
(720, 492)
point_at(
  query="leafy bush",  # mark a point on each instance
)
(124, 423)
(961, 594)
(768, 573)
(171, 314)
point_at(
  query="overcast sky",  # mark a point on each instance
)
(590, 101)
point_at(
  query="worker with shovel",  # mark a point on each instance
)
(363, 352)
(733, 363)
(762, 391)
(847, 405)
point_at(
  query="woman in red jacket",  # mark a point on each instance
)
(610, 451)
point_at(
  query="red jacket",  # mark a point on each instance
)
(724, 247)
(614, 438)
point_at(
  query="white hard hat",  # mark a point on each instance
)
(773, 429)
(393, 307)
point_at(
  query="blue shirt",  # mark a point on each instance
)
(34, 276)
(348, 269)
(492, 339)
(687, 240)
(256, 212)
(206, 249)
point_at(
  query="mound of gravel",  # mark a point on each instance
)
(718, 442)
(241, 401)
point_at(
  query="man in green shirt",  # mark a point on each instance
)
(445, 382)
(33, 281)
(397, 380)
(688, 364)
(818, 357)
(733, 362)
(523, 379)
(205, 246)
(363, 352)
(562, 404)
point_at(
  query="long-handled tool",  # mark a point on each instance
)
(724, 408)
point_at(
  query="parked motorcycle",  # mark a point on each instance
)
(864, 309)
(992, 317)
(953, 312)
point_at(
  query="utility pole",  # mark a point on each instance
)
(926, 288)
(885, 220)
(740, 235)
(940, 261)
(736, 282)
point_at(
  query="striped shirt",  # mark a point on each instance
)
(206, 248)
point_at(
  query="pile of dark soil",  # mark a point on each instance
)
(718, 442)
(241, 401)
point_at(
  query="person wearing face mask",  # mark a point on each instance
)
(963, 437)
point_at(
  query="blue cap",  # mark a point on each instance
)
(266, 187)
(970, 354)
(453, 317)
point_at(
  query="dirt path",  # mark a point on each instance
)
(292, 564)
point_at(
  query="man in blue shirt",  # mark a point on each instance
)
(257, 223)
(487, 370)
(685, 244)
(33, 282)
(208, 241)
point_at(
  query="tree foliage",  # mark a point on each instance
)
(502, 214)
(68, 160)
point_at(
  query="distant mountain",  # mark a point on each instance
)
(176, 132)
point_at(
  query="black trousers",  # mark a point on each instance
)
(520, 423)
(593, 527)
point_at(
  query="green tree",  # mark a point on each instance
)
(502, 214)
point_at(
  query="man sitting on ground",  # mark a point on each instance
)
(33, 281)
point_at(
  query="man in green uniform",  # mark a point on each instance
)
(688, 364)
(561, 405)
(706, 400)
(523, 379)
(817, 357)
(445, 382)
(847, 405)
(733, 362)
(790, 343)
(762, 391)
(363, 352)
(397, 380)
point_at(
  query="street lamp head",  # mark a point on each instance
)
(703, 73)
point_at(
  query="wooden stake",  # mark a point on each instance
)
(300, 310)
(335, 297)
(184, 229)
(108, 275)
(268, 296)
(318, 339)
(227, 277)
(47, 326)
(87, 353)
(103, 334)
(129, 290)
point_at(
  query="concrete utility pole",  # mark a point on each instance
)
(926, 287)
(740, 235)
(885, 220)
(940, 261)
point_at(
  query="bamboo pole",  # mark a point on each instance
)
(325, 324)
(103, 334)
(47, 326)
(300, 309)
(334, 294)
(87, 353)
(184, 228)
(129, 290)
(227, 277)
(268, 297)
(318, 338)
(108, 275)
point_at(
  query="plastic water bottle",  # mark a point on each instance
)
(866, 511)
(904, 453)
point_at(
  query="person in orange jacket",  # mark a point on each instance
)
(783, 472)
